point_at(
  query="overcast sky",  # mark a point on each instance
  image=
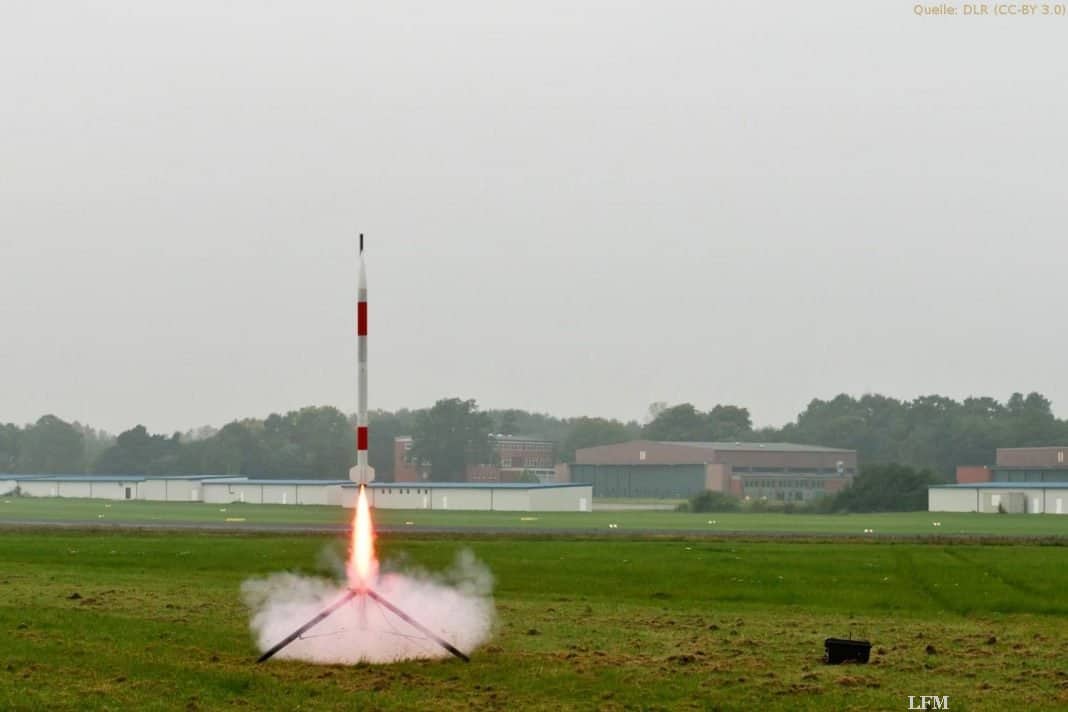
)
(571, 207)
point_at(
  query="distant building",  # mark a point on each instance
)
(774, 471)
(272, 491)
(515, 459)
(217, 489)
(474, 496)
(404, 469)
(223, 489)
(1020, 464)
(1031, 480)
(993, 497)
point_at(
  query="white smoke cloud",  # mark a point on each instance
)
(456, 605)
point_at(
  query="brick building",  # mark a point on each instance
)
(1020, 464)
(515, 459)
(772, 471)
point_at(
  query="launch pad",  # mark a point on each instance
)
(350, 595)
(362, 571)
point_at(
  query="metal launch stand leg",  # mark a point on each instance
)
(408, 619)
(349, 595)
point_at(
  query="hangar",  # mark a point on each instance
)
(91, 486)
(270, 491)
(174, 488)
(993, 497)
(489, 497)
(773, 471)
(1032, 480)
(218, 489)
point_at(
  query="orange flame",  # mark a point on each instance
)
(362, 564)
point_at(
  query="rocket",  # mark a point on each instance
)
(363, 473)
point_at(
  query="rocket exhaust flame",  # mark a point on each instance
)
(363, 566)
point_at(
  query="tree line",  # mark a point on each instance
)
(934, 433)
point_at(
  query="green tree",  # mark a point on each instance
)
(979, 427)
(313, 442)
(679, 423)
(450, 436)
(283, 454)
(520, 422)
(685, 423)
(96, 442)
(136, 452)
(654, 410)
(886, 488)
(10, 434)
(237, 449)
(51, 446)
(508, 422)
(709, 501)
(327, 441)
(1030, 420)
(729, 422)
(928, 439)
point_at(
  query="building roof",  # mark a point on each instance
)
(78, 478)
(206, 479)
(495, 436)
(118, 478)
(769, 447)
(519, 438)
(472, 485)
(272, 481)
(190, 477)
(1004, 485)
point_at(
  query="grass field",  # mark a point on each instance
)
(908, 523)
(584, 623)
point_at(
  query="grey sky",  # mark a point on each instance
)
(570, 207)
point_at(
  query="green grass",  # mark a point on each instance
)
(583, 624)
(906, 523)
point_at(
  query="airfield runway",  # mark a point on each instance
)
(547, 532)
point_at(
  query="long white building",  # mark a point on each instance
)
(84, 486)
(221, 489)
(993, 497)
(267, 491)
(484, 496)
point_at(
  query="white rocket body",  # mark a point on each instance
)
(363, 473)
